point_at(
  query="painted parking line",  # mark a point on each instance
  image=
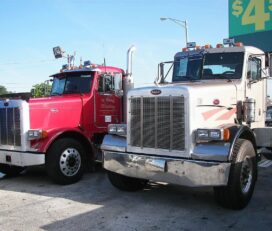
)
(265, 163)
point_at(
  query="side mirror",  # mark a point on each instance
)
(118, 81)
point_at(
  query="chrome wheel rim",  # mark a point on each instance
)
(246, 175)
(70, 162)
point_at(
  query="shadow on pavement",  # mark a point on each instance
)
(157, 207)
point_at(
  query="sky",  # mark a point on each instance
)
(98, 29)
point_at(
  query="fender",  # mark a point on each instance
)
(240, 131)
(43, 144)
(222, 151)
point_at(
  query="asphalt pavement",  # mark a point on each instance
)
(32, 202)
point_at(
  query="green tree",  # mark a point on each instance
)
(41, 89)
(3, 90)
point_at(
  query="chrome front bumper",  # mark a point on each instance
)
(192, 173)
(22, 159)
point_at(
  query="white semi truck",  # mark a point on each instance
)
(204, 128)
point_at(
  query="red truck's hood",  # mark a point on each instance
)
(55, 112)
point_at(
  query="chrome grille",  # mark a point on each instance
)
(157, 122)
(10, 126)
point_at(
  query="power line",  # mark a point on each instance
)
(29, 62)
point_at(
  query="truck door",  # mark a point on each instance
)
(107, 102)
(256, 88)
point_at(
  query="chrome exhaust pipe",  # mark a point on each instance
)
(128, 82)
(129, 61)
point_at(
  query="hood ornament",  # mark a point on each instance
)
(155, 92)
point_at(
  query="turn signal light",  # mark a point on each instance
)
(226, 134)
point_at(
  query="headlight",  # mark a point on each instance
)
(117, 129)
(203, 135)
(36, 134)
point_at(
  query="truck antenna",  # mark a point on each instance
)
(105, 64)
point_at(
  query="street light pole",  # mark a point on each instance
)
(184, 24)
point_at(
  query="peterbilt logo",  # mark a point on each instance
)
(156, 92)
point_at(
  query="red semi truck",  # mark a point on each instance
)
(63, 131)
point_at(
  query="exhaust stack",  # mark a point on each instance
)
(129, 61)
(128, 80)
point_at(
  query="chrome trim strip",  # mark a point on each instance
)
(156, 122)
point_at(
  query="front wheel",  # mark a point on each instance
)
(65, 161)
(126, 183)
(242, 177)
(10, 170)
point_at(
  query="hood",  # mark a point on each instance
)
(55, 112)
(209, 103)
(203, 90)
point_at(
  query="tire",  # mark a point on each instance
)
(11, 170)
(269, 154)
(65, 161)
(126, 183)
(242, 177)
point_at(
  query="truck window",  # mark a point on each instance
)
(223, 65)
(187, 68)
(71, 83)
(254, 69)
(106, 83)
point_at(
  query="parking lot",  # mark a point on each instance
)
(32, 202)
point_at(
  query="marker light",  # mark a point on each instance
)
(219, 45)
(226, 134)
(208, 46)
(185, 49)
(239, 44)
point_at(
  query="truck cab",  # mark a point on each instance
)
(63, 131)
(202, 128)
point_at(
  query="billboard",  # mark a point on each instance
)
(250, 21)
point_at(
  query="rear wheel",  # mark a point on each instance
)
(10, 170)
(65, 161)
(242, 177)
(126, 183)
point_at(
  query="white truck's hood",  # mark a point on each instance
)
(207, 104)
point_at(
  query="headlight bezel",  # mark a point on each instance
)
(36, 134)
(212, 134)
(117, 129)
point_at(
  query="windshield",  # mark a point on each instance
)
(69, 83)
(223, 65)
(209, 66)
